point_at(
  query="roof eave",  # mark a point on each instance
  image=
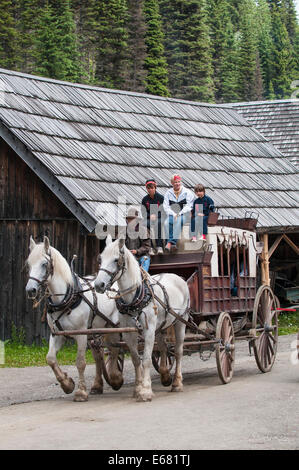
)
(47, 177)
(278, 229)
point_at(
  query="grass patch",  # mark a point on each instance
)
(20, 355)
(288, 323)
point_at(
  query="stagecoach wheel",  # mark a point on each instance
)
(106, 358)
(265, 324)
(156, 360)
(225, 348)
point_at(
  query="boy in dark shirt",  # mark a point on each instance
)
(202, 206)
(153, 204)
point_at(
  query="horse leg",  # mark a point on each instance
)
(177, 384)
(165, 375)
(146, 393)
(131, 340)
(67, 384)
(115, 375)
(81, 394)
(98, 384)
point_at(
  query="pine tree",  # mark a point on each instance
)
(86, 13)
(68, 65)
(155, 62)
(29, 12)
(249, 55)
(8, 35)
(225, 53)
(188, 50)
(46, 51)
(264, 27)
(137, 47)
(282, 64)
(289, 18)
(172, 17)
(112, 44)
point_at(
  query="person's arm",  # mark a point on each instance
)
(211, 205)
(189, 203)
(166, 205)
(145, 243)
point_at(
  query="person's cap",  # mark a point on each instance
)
(150, 181)
(176, 178)
(134, 212)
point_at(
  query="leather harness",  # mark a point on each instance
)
(72, 298)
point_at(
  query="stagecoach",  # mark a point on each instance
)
(226, 303)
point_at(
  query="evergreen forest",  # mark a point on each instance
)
(204, 50)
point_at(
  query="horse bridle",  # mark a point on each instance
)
(121, 267)
(49, 271)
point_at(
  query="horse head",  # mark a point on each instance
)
(112, 264)
(40, 265)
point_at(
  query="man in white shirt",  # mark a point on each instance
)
(177, 205)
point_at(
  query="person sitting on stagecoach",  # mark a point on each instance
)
(177, 206)
(202, 206)
(137, 237)
(153, 203)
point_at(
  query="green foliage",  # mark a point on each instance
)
(282, 60)
(20, 355)
(224, 51)
(188, 49)
(18, 335)
(249, 71)
(155, 62)
(8, 35)
(288, 323)
(216, 50)
(112, 43)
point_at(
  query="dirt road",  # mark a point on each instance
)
(254, 411)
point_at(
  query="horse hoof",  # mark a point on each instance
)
(96, 390)
(68, 385)
(117, 385)
(81, 396)
(178, 388)
(166, 382)
(143, 397)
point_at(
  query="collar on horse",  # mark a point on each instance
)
(142, 298)
(71, 300)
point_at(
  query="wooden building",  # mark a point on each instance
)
(68, 152)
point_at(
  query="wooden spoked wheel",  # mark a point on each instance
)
(265, 326)
(106, 358)
(225, 348)
(156, 360)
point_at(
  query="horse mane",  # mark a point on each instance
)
(61, 266)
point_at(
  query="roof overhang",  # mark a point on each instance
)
(47, 177)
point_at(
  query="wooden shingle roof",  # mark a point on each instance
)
(278, 121)
(92, 146)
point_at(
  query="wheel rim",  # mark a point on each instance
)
(105, 362)
(265, 322)
(225, 349)
(156, 359)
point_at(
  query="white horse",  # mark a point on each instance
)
(118, 264)
(47, 267)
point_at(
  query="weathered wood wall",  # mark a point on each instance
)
(28, 207)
